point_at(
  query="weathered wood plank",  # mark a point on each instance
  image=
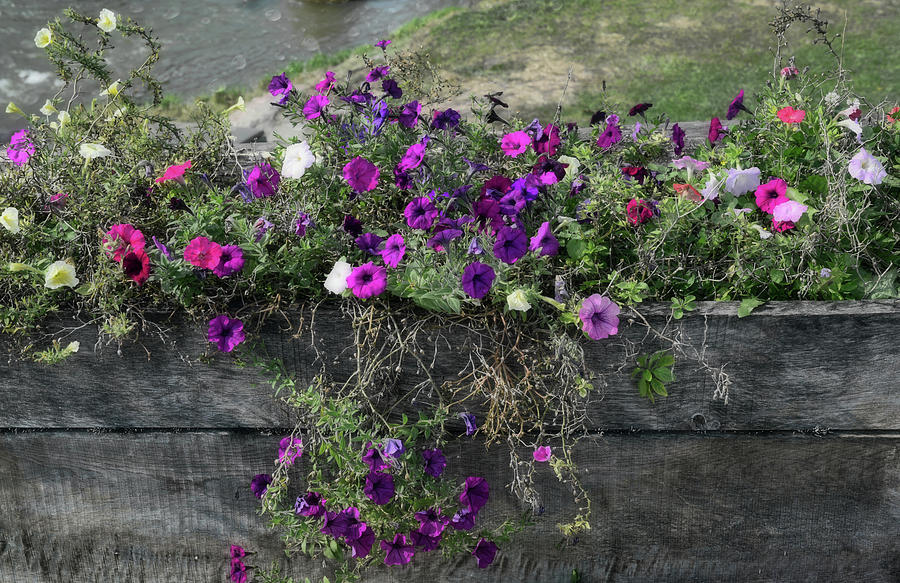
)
(164, 507)
(792, 365)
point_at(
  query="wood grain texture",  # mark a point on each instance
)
(164, 507)
(793, 366)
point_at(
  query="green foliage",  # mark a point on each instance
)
(653, 371)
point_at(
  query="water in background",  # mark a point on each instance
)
(207, 44)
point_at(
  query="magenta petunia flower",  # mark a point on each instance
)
(771, 194)
(600, 316)
(175, 172)
(548, 142)
(20, 149)
(736, 106)
(203, 253)
(477, 280)
(716, 129)
(394, 250)
(866, 168)
(290, 449)
(464, 519)
(789, 72)
(377, 73)
(122, 238)
(236, 551)
(310, 504)
(361, 546)
(511, 245)
(435, 462)
(780, 226)
(678, 139)
(485, 551)
(382, 44)
(263, 180)
(280, 86)
(326, 84)
(640, 108)
(238, 571)
(379, 487)
(413, 157)
(398, 551)
(230, 262)
(545, 241)
(542, 453)
(612, 134)
(431, 523)
(790, 115)
(367, 280)
(515, 143)
(259, 484)
(225, 332)
(370, 243)
(420, 213)
(361, 175)
(136, 265)
(315, 106)
(475, 493)
(638, 211)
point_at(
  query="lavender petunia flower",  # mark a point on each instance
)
(789, 211)
(485, 551)
(230, 262)
(379, 488)
(476, 166)
(477, 279)
(464, 519)
(678, 139)
(370, 243)
(398, 551)
(281, 86)
(225, 332)
(420, 213)
(741, 182)
(394, 250)
(289, 450)
(262, 226)
(475, 247)
(367, 280)
(545, 241)
(511, 245)
(361, 546)
(259, 484)
(559, 288)
(469, 420)
(435, 462)
(475, 493)
(866, 168)
(599, 315)
(431, 523)
(310, 504)
(691, 165)
(394, 448)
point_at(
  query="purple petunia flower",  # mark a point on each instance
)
(230, 262)
(736, 105)
(302, 224)
(370, 243)
(259, 484)
(377, 73)
(542, 453)
(431, 523)
(390, 87)
(477, 279)
(559, 287)
(771, 194)
(262, 226)
(225, 332)
(545, 241)
(163, 249)
(374, 460)
(549, 171)
(394, 250)
(398, 551)
(281, 86)
(599, 315)
(464, 519)
(394, 448)
(263, 180)
(420, 213)
(367, 280)
(409, 114)
(315, 106)
(352, 225)
(361, 175)
(548, 141)
(515, 143)
(325, 85)
(511, 245)
(485, 551)
(435, 462)
(678, 139)
(361, 546)
(445, 120)
(428, 543)
(345, 523)
(310, 504)
(475, 493)
(20, 149)
(289, 450)
(413, 157)
(382, 44)
(469, 420)
(443, 237)
(475, 247)
(379, 487)
(612, 134)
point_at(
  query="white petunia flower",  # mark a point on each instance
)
(60, 274)
(336, 282)
(518, 300)
(10, 220)
(297, 158)
(107, 20)
(43, 38)
(90, 151)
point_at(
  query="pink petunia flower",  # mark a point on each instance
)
(175, 172)
(203, 253)
(515, 143)
(122, 238)
(542, 453)
(771, 194)
(791, 115)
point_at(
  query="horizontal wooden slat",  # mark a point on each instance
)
(164, 507)
(792, 365)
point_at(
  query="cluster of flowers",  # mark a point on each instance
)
(346, 524)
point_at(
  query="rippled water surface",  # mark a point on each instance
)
(207, 44)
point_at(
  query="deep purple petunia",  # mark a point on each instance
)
(640, 108)
(469, 420)
(367, 280)
(512, 203)
(549, 171)
(402, 179)
(771, 194)
(379, 487)
(230, 262)
(413, 157)
(420, 213)
(511, 245)
(310, 504)
(361, 175)
(485, 551)
(548, 141)
(326, 84)
(281, 86)
(345, 523)
(390, 87)
(716, 129)
(302, 224)
(370, 243)
(263, 180)
(445, 120)
(736, 105)
(545, 241)
(398, 551)
(377, 73)
(427, 543)
(464, 519)
(496, 186)
(475, 493)
(259, 484)
(431, 523)
(225, 332)
(600, 316)
(394, 250)
(477, 279)
(289, 450)
(435, 462)
(382, 44)
(361, 546)
(443, 237)
(612, 134)
(374, 459)
(409, 114)
(678, 139)
(315, 106)
(394, 448)
(352, 225)
(529, 186)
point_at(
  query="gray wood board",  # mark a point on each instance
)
(793, 365)
(164, 507)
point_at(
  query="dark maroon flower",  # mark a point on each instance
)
(428, 543)
(398, 551)
(445, 120)
(640, 108)
(598, 118)
(486, 211)
(259, 484)
(431, 523)
(716, 129)
(435, 462)
(136, 265)
(736, 106)
(638, 211)
(511, 245)
(475, 493)
(390, 87)
(548, 141)
(678, 139)
(379, 487)
(485, 551)
(310, 504)
(374, 460)
(464, 519)
(496, 186)
(636, 172)
(549, 171)
(370, 243)
(352, 225)
(362, 545)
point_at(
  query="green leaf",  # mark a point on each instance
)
(748, 305)
(648, 376)
(659, 388)
(664, 374)
(576, 248)
(665, 359)
(644, 388)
